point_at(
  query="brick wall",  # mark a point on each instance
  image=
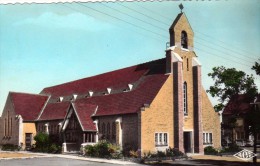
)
(129, 128)
(9, 125)
(210, 120)
(158, 118)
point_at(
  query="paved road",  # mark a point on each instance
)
(57, 161)
(52, 161)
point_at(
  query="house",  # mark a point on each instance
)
(235, 125)
(146, 107)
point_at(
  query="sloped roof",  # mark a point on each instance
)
(239, 104)
(114, 80)
(150, 77)
(28, 105)
(128, 102)
(176, 20)
(55, 111)
(84, 112)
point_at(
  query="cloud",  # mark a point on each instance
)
(75, 21)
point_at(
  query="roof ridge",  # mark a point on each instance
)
(25, 93)
(43, 108)
(102, 74)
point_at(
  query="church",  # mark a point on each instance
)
(146, 107)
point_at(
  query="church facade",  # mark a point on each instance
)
(146, 107)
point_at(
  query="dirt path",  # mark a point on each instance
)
(225, 158)
(14, 155)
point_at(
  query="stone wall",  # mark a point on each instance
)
(9, 125)
(128, 126)
(210, 120)
(158, 118)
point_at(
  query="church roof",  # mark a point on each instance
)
(55, 111)
(28, 105)
(115, 79)
(147, 79)
(84, 112)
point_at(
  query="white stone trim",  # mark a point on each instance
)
(119, 121)
(185, 49)
(170, 48)
(20, 137)
(195, 62)
(96, 123)
(176, 57)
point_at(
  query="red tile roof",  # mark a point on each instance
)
(114, 80)
(128, 102)
(28, 105)
(239, 104)
(151, 76)
(55, 111)
(84, 112)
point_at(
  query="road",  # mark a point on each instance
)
(57, 161)
(52, 161)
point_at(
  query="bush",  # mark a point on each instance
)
(54, 148)
(45, 144)
(173, 152)
(42, 142)
(11, 147)
(209, 150)
(103, 149)
(133, 154)
(127, 149)
(231, 149)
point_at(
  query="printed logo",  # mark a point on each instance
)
(245, 155)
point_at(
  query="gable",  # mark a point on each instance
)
(80, 114)
(181, 22)
(84, 113)
(8, 108)
(27, 105)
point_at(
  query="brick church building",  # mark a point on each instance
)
(148, 107)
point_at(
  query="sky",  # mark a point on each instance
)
(43, 45)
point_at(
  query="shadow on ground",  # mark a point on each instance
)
(203, 163)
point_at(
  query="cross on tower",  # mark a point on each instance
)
(181, 7)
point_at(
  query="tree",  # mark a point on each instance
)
(230, 82)
(256, 67)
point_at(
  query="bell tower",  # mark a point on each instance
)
(181, 33)
(182, 64)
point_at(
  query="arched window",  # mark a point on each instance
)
(104, 130)
(184, 39)
(114, 131)
(108, 131)
(185, 101)
(187, 64)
